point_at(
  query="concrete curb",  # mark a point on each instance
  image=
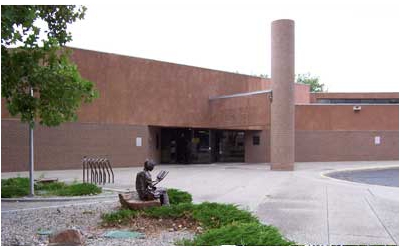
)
(55, 199)
(118, 190)
(325, 174)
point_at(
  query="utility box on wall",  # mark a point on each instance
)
(377, 140)
(138, 141)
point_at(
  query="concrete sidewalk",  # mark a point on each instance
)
(306, 206)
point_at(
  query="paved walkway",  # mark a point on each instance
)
(306, 206)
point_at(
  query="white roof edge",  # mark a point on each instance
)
(239, 94)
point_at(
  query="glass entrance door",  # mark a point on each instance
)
(188, 146)
(201, 150)
(229, 146)
(185, 145)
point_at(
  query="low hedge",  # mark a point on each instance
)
(177, 196)
(224, 224)
(14, 187)
(19, 187)
(240, 234)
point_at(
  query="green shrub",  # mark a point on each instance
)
(214, 215)
(79, 189)
(52, 186)
(14, 187)
(18, 181)
(240, 234)
(120, 217)
(177, 196)
(18, 187)
(210, 215)
(224, 224)
(172, 211)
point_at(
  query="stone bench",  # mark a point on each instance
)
(46, 180)
(131, 201)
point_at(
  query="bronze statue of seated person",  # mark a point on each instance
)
(146, 187)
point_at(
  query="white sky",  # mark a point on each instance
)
(353, 46)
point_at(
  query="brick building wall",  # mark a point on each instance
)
(346, 146)
(138, 96)
(257, 153)
(63, 147)
(338, 133)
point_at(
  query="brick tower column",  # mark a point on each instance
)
(282, 107)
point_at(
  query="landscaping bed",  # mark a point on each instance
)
(19, 187)
(212, 223)
(182, 223)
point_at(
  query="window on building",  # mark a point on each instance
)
(360, 101)
(157, 141)
(256, 140)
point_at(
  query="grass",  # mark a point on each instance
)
(14, 187)
(215, 215)
(78, 189)
(172, 211)
(123, 216)
(19, 187)
(240, 234)
(176, 196)
(224, 224)
(49, 187)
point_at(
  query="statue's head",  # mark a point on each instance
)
(149, 165)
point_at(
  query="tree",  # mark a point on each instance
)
(38, 81)
(263, 75)
(41, 65)
(315, 86)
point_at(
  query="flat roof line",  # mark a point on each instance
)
(322, 93)
(346, 104)
(240, 94)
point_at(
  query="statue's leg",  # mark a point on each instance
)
(149, 197)
(164, 197)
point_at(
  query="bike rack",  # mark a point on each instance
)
(96, 170)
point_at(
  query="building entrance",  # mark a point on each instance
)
(190, 146)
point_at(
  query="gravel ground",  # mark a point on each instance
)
(22, 227)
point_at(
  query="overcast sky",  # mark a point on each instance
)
(353, 46)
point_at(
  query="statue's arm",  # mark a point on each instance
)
(149, 182)
(160, 177)
(155, 182)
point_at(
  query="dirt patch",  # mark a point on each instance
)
(154, 227)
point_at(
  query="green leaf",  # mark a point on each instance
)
(58, 87)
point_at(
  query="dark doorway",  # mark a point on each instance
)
(228, 146)
(175, 145)
(188, 146)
